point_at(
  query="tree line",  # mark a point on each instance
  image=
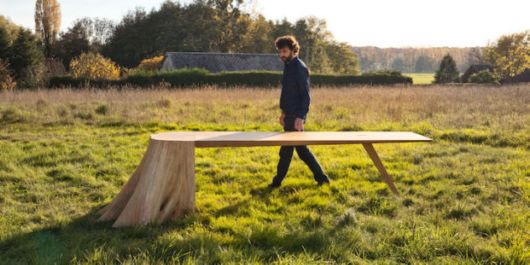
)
(28, 59)
(499, 62)
(202, 25)
(415, 60)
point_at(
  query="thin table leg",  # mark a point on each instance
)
(377, 161)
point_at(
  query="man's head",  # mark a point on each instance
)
(287, 47)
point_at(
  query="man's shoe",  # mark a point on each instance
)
(323, 180)
(274, 185)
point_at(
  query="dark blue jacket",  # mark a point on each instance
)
(295, 97)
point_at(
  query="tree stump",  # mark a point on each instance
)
(161, 188)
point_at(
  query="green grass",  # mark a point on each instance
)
(421, 78)
(465, 196)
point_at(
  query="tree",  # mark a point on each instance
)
(47, 22)
(447, 72)
(26, 59)
(398, 64)
(10, 27)
(342, 59)
(227, 24)
(424, 64)
(96, 30)
(134, 39)
(5, 43)
(510, 55)
(475, 56)
(221, 26)
(312, 34)
(94, 66)
(85, 35)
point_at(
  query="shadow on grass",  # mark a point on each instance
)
(83, 239)
(80, 237)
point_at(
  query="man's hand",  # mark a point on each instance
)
(299, 124)
(282, 119)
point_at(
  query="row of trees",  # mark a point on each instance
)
(202, 25)
(413, 59)
(508, 57)
(221, 26)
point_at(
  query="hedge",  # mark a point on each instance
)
(195, 77)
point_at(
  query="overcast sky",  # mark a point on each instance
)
(383, 23)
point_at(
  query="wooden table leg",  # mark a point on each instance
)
(377, 161)
(161, 188)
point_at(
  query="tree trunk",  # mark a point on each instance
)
(161, 188)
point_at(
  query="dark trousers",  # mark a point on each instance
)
(286, 154)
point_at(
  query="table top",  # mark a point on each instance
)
(241, 139)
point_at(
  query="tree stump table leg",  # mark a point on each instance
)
(161, 188)
(377, 161)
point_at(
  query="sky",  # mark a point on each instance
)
(382, 23)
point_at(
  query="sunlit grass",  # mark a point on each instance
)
(421, 78)
(465, 196)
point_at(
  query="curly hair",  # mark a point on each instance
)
(288, 41)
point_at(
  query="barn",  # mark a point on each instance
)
(217, 62)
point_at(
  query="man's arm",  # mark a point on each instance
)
(302, 81)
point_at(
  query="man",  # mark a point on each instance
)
(294, 104)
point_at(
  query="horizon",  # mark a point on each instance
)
(431, 33)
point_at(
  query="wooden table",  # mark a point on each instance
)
(163, 186)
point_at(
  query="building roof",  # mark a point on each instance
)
(217, 62)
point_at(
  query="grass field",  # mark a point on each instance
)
(421, 78)
(465, 196)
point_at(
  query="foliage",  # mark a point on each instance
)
(196, 76)
(7, 82)
(10, 27)
(85, 35)
(5, 43)
(447, 73)
(94, 66)
(484, 77)
(510, 54)
(342, 59)
(26, 59)
(208, 26)
(151, 64)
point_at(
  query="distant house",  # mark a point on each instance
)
(522, 77)
(217, 62)
(475, 68)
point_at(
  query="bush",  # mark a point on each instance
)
(151, 64)
(72, 82)
(94, 66)
(6, 79)
(484, 77)
(197, 76)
